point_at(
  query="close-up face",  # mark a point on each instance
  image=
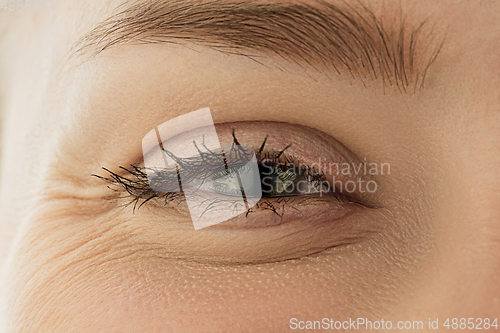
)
(249, 166)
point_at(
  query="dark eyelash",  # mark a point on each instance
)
(135, 184)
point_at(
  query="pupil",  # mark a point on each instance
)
(277, 180)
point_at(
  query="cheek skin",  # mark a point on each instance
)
(93, 275)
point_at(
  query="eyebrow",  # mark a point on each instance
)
(340, 37)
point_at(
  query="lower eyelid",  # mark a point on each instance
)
(268, 213)
(273, 213)
(234, 244)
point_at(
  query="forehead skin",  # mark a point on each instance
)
(73, 268)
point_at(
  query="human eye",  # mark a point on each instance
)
(257, 180)
(275, 181)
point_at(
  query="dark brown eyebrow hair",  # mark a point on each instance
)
(342, 37)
